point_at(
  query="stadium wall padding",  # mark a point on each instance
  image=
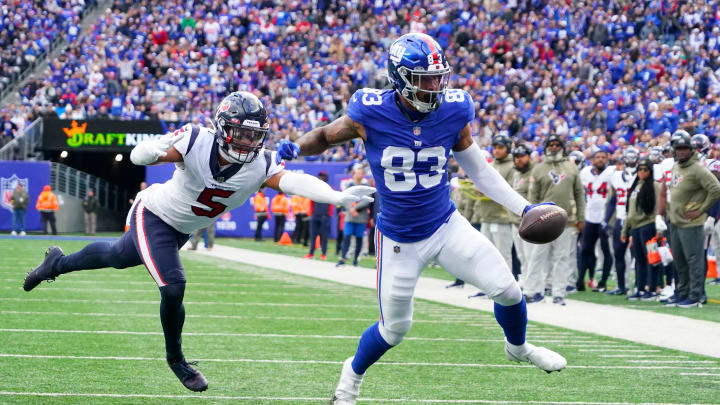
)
(37, 175)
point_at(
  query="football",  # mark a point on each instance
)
(543, 224)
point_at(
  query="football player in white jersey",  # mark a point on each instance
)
(596, 179)
(216, 171)
(617, 200)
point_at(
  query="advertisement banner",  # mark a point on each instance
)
(240, 222)
(101, 135)
(33, 176)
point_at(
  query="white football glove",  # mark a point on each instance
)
(660, 225)
(355, 194)
(708, 226)
(148, 152)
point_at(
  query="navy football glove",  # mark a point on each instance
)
(286, 150)
(531, 206)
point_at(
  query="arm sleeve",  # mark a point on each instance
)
(488, 181)
(310, 187)
(610, 207)
(579, 192)
(272, 168)
(185, 144)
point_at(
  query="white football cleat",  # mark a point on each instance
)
(544, 359)
(348, 388)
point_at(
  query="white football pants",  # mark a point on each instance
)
(459, 248)
(551, 260)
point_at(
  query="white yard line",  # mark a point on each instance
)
(315, 400)
(672, 361)
(283, 336)
(670, 331)
(641, 356)
(194, 292)
(380, 363)
(701, 374)
(239, 304)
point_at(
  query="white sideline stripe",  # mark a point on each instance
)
(241, 304)
(381, 363)
(673, 361)
(702, 374)
(268, 335)
(665, 330)
(310, 399)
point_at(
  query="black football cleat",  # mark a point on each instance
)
(46, 269)
(188, 376)
(457, 283)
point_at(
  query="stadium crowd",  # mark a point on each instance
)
(602, 73)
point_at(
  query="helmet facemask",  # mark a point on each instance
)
(425, 89)
(242, 141)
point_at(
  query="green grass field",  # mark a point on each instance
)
(268, 337)
(710, 312)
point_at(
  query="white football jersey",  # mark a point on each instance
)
(200, 190)
(662, 172)
(621, 182)
(597, 187)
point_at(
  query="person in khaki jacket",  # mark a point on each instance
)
(640, 226)
(465, 196)
(495, 219)
(693, 190)
(19, 200)
(521, 183)
(555, 179)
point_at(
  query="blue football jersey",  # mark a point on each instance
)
(409, 159)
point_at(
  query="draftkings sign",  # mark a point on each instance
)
(101, 135)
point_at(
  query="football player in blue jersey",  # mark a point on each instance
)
(408, 132)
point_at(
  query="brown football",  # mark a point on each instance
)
(543, 224)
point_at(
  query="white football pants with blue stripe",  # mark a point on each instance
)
(456, 246)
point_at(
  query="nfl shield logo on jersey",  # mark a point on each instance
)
(416, 131)
(7, 186)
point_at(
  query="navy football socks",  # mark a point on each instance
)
(371, 347)
(172, 317)
(513, 320)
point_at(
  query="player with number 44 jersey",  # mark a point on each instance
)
(409, 132)
(216, 171)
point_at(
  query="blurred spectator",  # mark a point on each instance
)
(320, 214)
(280, 207)
(19, 200)
(260, 204)
(47, 205)
(90, 205)
(197, 236)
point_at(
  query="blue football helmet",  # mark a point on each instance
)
(418, 71)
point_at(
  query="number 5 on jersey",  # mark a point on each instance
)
(399, 162)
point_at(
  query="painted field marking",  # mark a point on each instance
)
(307, 399)
(673, 361)
(620, 350)
(400, 364)
(240, 304)
(702, 374)
(264, 335)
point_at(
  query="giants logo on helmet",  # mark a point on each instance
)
(396, 53)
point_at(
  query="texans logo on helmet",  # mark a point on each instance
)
(556, 178)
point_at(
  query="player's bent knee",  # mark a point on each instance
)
(395, 333)
(173, 292)
(509, 296)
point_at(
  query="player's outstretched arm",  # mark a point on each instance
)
(487, 180)
(317, 190)
(159, 150)
(337, 132)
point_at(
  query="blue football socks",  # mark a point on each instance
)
(371, 347)
(513, 320)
